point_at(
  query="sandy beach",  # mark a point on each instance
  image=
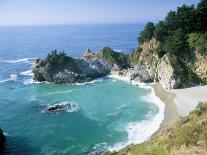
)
(178, 102)
(187, 99)
(171, 112)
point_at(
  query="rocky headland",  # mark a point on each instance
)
(59, 68)
(145, 64)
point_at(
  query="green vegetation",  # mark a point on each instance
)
(187, 135)
(177, 43)
(134, 55)
(59, 60)
(114, 57)
(56, 58)
(174, 31)
(147, 34)
(199, 41)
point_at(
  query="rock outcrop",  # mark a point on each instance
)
(144, 65)
(143, 62)
(59, 68)
(2, 140)
(166, 73)
(200, 67)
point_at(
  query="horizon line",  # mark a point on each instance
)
(64, 24)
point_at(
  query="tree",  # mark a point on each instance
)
(171, 22)
(186, 18)
(147, 34)
(160, 31)
(177, 44)
(201, 14)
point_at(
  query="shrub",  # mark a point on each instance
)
(199, 41)
(56, 58)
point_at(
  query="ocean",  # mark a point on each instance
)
(106, 113)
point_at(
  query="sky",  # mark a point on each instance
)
(47, 12)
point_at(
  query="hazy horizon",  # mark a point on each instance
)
(66, 12)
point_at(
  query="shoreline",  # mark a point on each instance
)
(175, 101)
(171, 114)
(178, 103)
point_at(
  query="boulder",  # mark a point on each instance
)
(57, 107)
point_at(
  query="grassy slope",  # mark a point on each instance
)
(186, 137)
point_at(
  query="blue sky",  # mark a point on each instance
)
(41, 12)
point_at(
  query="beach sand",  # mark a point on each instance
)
(187, 99)
(178, 102)
(171, 114)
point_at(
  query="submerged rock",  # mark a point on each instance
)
(2, 140)
(57, 107)
(62, 106)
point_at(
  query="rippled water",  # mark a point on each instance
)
(106, 113)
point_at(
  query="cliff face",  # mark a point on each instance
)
(172, 72)
(166, 73)
(200, 67)
(64, 69)
(144, 62)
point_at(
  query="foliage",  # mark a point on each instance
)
(114, 57)
(201, 15)
(186, 18)
(160, 32)
(147, 34)
(190, 132)
(173, 31)
(199, 41)
(56, 58)
(177, 44)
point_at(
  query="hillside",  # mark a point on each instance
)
(174, 51)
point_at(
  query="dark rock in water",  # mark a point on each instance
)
(59, 68)
(2, 140)
(57, 107)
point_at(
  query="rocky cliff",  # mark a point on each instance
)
(146, 64)
(172, 72)
(59, 68)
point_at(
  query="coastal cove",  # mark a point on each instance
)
(112, 111)
(112, 118)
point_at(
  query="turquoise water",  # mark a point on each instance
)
(105, 108)
(106, 113)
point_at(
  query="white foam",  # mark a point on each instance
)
(31, 81)
(23, 60)
(118, 77)
(12, 77)
(27, 73)
(58, 92)
(91, 82)
(141, 131)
